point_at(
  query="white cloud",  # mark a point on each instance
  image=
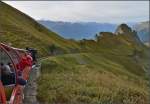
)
(96, 11)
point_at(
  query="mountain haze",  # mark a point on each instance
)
(143, 30)
(79, 30)
(87, 30)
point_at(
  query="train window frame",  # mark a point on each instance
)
(5, 52)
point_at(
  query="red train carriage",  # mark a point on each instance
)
(15, 65)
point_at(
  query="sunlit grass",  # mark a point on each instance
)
(77, 79)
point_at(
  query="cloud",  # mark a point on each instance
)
(85, 11)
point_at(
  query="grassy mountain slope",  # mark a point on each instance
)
(111, 70)
(22, 31)
(92, 78)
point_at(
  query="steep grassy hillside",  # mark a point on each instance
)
(111, 70)
(92, 78)
(22, 31)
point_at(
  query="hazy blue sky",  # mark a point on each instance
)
(85, 11)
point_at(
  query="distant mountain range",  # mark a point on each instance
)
(88, 30)
(78, 30)
(143, 30)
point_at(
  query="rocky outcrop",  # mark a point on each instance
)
(123, 29)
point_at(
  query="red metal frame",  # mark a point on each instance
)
(16, 96)
(3, 47)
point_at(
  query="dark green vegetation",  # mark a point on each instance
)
(22, 31)
(113, 69)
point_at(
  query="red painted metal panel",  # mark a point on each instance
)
(16, 96)
(2, 94)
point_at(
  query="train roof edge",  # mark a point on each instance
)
(10, 47)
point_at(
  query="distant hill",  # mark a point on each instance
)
(22, 31)
(87, 30)
(78, 30)
(143, 31)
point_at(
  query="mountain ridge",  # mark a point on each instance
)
(87, 30)
(78, 30)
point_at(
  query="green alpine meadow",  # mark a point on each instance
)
(111, 68)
